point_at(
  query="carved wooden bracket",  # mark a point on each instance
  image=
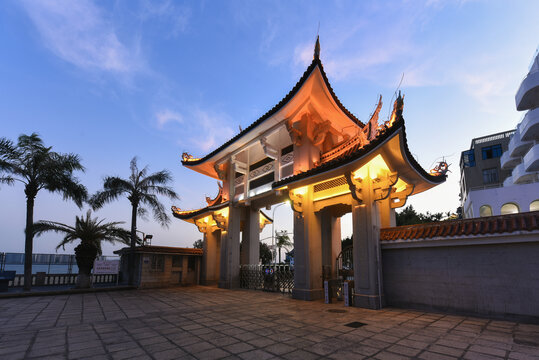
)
(296, 201)
(201, 225)
(269, 150)
(383, 183)
(400, 196)
(355, 186)
(220, 220)
(295, 133)
(220, 170)
(320, 131)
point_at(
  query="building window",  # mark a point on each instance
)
(490, 176)
(534, 206)
(510, 208)
(493, 151)
(468, 158)
(157, 263)
(485, 210)
(177, 261)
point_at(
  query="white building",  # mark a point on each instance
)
(519, 192)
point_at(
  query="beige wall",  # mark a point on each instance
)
(167, 275)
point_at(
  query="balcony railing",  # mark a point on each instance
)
(531, 159)
(517, 147)
(529, 127)
(508, 162)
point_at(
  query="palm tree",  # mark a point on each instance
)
(282, 241)
(141, 189)
(91, 233)
(37, 167)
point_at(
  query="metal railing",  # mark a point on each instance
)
(268, 278)
(63, 263)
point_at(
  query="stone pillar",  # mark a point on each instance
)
(229, 277)
(210, 260)
(306, 154)
(250, 248)
(367, 256)
(331, 240)
(387, 214)
(307, 252)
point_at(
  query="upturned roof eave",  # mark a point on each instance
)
(314, 64)
(358, 155)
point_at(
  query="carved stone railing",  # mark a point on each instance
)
(61, 279)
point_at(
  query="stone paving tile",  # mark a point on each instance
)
(211, 323)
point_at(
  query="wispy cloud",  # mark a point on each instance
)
(79, 32)
(174, 15)
(196, 129)
(214, 129)
(166, 116)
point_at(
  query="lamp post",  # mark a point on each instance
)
(145, 237)
(273, 231)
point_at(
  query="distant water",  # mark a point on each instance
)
(52, 269)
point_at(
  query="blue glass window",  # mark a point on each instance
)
(468, 158)
(493, 151)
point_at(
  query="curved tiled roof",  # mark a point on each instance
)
(316, 62)
(477, 226)
(358, 151)
(189, 214)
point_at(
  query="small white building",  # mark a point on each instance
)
(511, 185)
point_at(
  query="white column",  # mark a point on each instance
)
(250, 251)
(367, 256)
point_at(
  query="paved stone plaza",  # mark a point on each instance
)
(211, 323)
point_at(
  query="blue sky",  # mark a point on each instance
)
(109, 80)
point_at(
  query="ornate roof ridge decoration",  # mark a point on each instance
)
(218, 198)
(189, 214)
(498, 224)
(356, 149)
(188, 160)
(364, 136)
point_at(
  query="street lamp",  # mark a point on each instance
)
(273, 230)
(145, 237)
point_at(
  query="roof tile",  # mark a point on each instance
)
(500, 224)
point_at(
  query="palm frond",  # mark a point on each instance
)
(113, 188)
(157, 208)
(43, 226)
(87, 230)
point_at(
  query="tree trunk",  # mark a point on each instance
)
(85, 255)
(131, 257)
(279, 255)
(29, 242)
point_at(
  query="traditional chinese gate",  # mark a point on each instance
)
(308, 149)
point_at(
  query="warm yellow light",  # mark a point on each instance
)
(222, 212)
(400, 185)
(372, 169)
(301, 190)
(283, 188)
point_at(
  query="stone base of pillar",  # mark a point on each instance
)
(208, 282)
(373, 302)
(308, 294)
(229, 285)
